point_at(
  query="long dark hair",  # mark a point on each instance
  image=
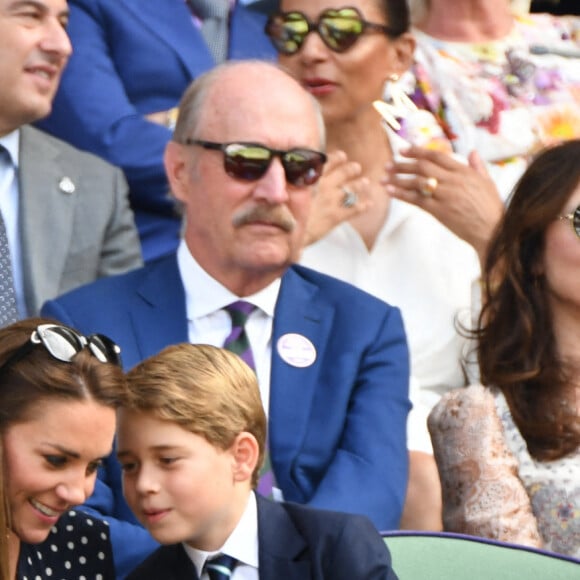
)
(397, 15)
(517, 349)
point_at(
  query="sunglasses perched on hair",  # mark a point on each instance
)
(338, 29)
(63, 343)
(574, 219)
(250, 161)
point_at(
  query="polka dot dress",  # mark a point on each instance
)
(77, 548)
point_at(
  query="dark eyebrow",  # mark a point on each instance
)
(35, 4)
(69, 452)
(63, 450)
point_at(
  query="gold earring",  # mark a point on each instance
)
(395, 104)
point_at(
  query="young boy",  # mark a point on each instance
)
(191, 440)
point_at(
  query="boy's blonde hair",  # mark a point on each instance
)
(206, 390)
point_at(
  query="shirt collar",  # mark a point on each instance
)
(205, 295)
(12, 144)
(242, 544)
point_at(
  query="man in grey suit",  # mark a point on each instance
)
(65, 215)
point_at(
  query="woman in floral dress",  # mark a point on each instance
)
(508, 452)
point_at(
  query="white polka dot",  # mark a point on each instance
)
(82, 560)
(72, 513)
(101, 556)
(70, 545)
(39, 555)
(67, 565)
(99, 577)
(84, 540)
(48, 571)
(69, 528)
(89, 522)
(54, 547)
(103, 536)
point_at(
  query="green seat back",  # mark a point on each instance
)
(446, 556)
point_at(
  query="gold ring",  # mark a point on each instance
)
(431, 184)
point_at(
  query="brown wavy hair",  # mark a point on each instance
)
(36, 378)
(517, 349)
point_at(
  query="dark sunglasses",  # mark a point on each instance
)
(250, 161)
(574, 219)
(63, 344)
(339, 29)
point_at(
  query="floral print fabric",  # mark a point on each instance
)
(491, 485)
(506, 99)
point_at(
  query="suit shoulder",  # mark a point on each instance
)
(320, 522)
(70, 154)
(338, 291)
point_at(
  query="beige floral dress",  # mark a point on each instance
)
(492, 487)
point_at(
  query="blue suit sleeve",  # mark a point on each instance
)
(369, 472)
(93, 111)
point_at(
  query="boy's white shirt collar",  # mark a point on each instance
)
(242, 544)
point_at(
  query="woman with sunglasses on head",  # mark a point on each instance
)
(344, 55)
(509, 452)
(58, 397)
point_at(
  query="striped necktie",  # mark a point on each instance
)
(238, 342)
(220, 568)
(8, 310)
(214, 16)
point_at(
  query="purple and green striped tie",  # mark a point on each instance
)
(238, 343)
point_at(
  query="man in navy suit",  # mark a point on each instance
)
(331, 361)
(132, 61)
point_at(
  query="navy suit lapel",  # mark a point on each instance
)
(158, 315)
(280, 544)
(299, 311)
(174, 27)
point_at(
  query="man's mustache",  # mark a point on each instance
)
(277, 216)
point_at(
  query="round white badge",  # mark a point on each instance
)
(296, 350)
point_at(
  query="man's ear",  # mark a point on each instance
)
(245, 452)
(176, 169)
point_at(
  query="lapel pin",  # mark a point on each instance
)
(296, 350)
(66, 185)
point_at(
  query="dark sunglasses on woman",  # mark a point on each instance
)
(338, 29)
(63, 343)
(574, 219)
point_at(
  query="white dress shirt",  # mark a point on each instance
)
(423, 268)
(242, 545)
(208, 323)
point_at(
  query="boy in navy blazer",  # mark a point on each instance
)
(191, 439)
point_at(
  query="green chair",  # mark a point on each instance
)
(449, 556)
